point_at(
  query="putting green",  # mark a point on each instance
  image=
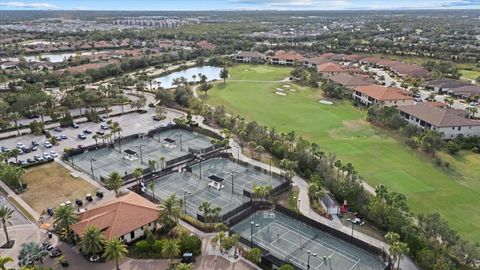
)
(341, 129)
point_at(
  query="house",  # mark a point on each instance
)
(9, 65)
(126, 217)
(285, 58)
(409, 70)
(386, 96)
(206, 45)
(330, 68)
(314, 62)
(449, 122)
(444, 84)
(250, 57)
(467, 91)
(348, 81)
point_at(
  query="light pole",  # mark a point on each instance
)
(232, 173)
(298, 206)
(310, 254)
(91, 167)
(200, 163)
(141, 154)
(270, 159)
(351, 236)
(180, 135)
(185, 200)
(238, 153)
(252, 225)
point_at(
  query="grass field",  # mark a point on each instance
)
(51, 184)
(341, 129)
(470, 74)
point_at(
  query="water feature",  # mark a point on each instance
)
(212, 73)
(52, 57)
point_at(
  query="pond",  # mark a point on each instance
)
(212, 73)
(53, 57)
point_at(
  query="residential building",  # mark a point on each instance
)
(286, 58)
(314, 62)
(206, 45)
(330, 68)
(467, 91)
(126, 217)
(9, 65)
(386, 96)
(449, 122)
(444, 84)
(348, 81)
(250, 57)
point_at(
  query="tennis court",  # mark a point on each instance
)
(290, 240)
(135, 153)
(213, 170)
(244, 177)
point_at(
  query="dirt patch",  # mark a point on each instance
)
(354, 129)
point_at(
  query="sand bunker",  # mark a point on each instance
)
(280, 93)
(279, 89)
(286, 85)
(326, 102)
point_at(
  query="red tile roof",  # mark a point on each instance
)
(118, 217)
(383, 93)
(291, 55)
(329, 68)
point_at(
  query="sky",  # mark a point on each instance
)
(196, 5)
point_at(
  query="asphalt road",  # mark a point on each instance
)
(17, 217)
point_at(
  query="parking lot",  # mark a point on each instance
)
(169, 144)
(130, 123)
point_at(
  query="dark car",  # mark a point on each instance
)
(81, 136)
(55, 252)
(63, 137)
(103, 126)
(74, 125)
(101, 133)
(87, 131)
(47, 245)
(27, 150)
(33, 148)
(34, 143)
(57, 129)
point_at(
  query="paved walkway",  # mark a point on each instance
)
(21, 234)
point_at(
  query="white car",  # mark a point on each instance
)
(53, 154)
(47, 144)
(20, 145)
(47, 156)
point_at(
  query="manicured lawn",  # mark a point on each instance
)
(51, 184)
(377, 155)
(470, 74)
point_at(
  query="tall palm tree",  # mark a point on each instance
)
(14, 153)
(171, 209)
(171, 249)
(162, 163)
(114, 182)
(5, 216)
(137, 174)
(65, 217)
(153, 164)
(4, 261)
(115, 249)
(92, 240)
(15, 116)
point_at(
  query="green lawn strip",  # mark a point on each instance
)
(470, 74)
(341, 129)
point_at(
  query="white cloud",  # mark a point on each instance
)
(38, 5)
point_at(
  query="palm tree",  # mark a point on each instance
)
(184, 266)
(96, 137)
(115, 249)
(224, 74)
(397, 248)
(260, 150)
(137, 174)
(114, 182)
(171, 209)
(14, 153)
(5, 216)
(151, 186)
(217, 241)
(92, 240)
(171, 249)
(32, 251)
(4, 261)
(153, 165)
(15, 116)
(162, 163)
(65, 217)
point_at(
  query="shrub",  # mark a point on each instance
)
(191, 243)
(254, 255)
(157, 247)
(476, 150)
(142, 246)
(453, 148)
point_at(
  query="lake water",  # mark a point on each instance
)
(53, 58)
(212, 73)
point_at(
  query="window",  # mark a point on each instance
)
(459, 128)
(132, 234)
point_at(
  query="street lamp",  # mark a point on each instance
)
(351, 236)
(200, 163)
(298, 206)
(238, 153)
(185, 200)
(141, 154)
(310, 254)
(252, 225)
(91, 167)
(270, 159)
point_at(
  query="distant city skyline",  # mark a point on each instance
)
(195, 5)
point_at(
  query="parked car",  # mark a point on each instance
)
(103, 126)
(47, 156)
(20, 145)
(38, 158)
(81, 136)
(57, 129)
(94, 258)
(47, 245)
(55, 252)
(473, 104)
(20, 151)
(33, 148)
(26, 150)
(5, 149)
(58, 137)
(102, 119)
(63, 136)
(157, 118)
(47, 144)
(22, 162)
(101, 133)
(30, 160)
(53, 154)
(74, 125)
(34, 143)
(87, 131)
